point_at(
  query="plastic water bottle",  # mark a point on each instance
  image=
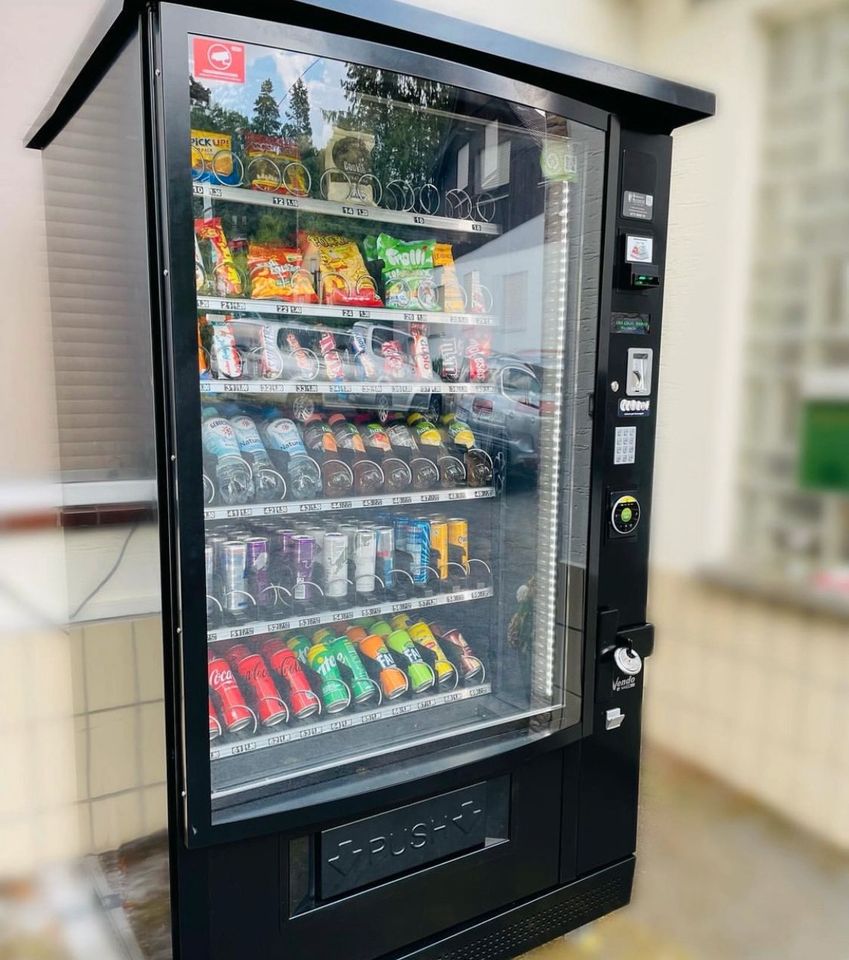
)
(268, 482)
(232, 474)
(289, 455)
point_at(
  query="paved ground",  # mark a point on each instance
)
(719, 878)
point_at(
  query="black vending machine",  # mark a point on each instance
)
(396, 282)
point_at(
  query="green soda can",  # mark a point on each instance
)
(381, 628)
(334, 691)
(361, 686)
(299, 645)
(421, 676)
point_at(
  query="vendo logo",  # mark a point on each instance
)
(218, 60)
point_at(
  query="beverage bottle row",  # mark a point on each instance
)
(266, 457)
(269, 567)
(277, 679)
(367, 353)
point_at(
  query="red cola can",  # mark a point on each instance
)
(283, 662)
(235, 714)
(251, 668)
(215, 730)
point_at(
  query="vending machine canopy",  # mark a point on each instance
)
(641, 101)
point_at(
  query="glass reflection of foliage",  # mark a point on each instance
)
(391, 106)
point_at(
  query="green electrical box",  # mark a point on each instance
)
(824, 462)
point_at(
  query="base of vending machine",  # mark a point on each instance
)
(537, 921)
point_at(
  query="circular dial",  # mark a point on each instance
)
(628, 661)
(625, 515)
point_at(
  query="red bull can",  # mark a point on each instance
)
(335, 566)
(385, 554)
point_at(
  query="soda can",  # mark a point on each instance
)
(234, 556)
(299, 645)
(334, 692)
(252, 670)
(365, 545)
(356, 633)
(385, 554)
(458, 541)
(256, 567)
(345, 653)
(393, 681)
(439, 546)
(400, 621)
(304, 558)
(421, 353)
(215, 730)
(469, 665)
(216, 541)
(284, 662)
(235, 714)
(423, 635)
(381, 628)
(335, 566)
(323, 635)
(421, 676)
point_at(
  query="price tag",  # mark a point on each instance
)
(238, 632)
(305, 388)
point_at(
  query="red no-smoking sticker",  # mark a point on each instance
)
(218, 60)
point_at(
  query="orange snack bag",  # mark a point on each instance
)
(225, 276)
(345, 281)
(277, 273)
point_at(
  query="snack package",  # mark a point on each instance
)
(212, 158)
(274, 164)
(453, 298)
(224, 276)
(277, 273)
(224, 357)
(344, 278)
(200, 269)
(409, 276)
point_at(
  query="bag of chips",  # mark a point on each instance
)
(213, 160)
(274, 165)
(409, 276)
(225, 278)
(277, 273)
(344, 278)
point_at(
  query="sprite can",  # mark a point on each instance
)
(334, 692)
(361, 686)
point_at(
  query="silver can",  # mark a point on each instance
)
(335, 565)
(365, 550)
(234, 556)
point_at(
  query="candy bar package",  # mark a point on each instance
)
(226, 279)
(344, 278)
(277, 273)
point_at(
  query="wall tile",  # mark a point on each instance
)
(116, 820)
(152, 743)
(110, 665)
(113, 751)
(147, 635)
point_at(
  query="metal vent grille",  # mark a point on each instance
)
(541, 927)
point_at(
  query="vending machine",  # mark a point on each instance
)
(398, 281)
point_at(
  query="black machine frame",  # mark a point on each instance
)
(593, 767)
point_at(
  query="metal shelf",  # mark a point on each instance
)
(326, 311)
(354, 211)
(345, 388)
(351, 613)
(355, 717)
(292, 507)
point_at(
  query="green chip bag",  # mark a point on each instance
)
(409, 276)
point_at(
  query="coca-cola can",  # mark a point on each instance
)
(251, 669)
(283, 662)
(235, 714)
(215, 730)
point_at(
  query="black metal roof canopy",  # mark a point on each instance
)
(641, 101)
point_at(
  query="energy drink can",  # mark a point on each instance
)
(470, 666)
(417, 545)
(385, 551)
(458, 541)
(334, 692)
(345, 653)
(423, 635)
(365, 557)
(439, 546)
(256, 568)
(304, 559)
(285, 663)
(335, 566)
(234, 555)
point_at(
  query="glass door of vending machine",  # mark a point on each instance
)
(381, 414)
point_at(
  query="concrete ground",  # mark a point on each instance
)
(719, 878)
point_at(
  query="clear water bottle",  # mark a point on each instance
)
(268, 482)
(289, 455)
(232, 474)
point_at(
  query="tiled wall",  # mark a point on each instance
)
(82, 743)
(755, 693)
